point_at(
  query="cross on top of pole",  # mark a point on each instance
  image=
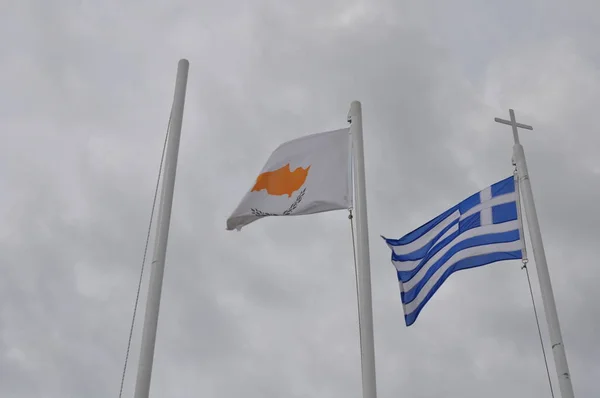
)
(513, 122)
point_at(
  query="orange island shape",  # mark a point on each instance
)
(282, 181)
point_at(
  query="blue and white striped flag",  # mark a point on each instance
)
(482, 229)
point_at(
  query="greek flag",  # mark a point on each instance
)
(482, 229)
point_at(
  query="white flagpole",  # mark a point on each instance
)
(365, 308)
(558, 348)
(142, 387)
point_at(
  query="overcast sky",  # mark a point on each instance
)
(86, 89)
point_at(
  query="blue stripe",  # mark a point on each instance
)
(479, 240)
(422, 252)
(500, 213)
(504, 212)
(408, 275)
(417, 233)
(466, 263)
(470, 222)
(469, 203)
(503, 187)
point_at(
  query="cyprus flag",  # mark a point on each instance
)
(307, 175)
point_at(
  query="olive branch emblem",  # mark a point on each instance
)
(293, 206)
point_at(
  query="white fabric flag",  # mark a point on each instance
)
(307, 175)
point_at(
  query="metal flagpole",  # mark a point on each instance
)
(558, 349)
(365, 309)
(142, 387)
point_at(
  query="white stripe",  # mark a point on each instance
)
(486, 213)
(485, 194)
(449, 232)
(473, 251)
(426, 238)
(409, 265)
(488, 229)
(496, 200)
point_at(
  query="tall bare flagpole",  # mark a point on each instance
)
(365, 308)
(558, 348)
(142, 386)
